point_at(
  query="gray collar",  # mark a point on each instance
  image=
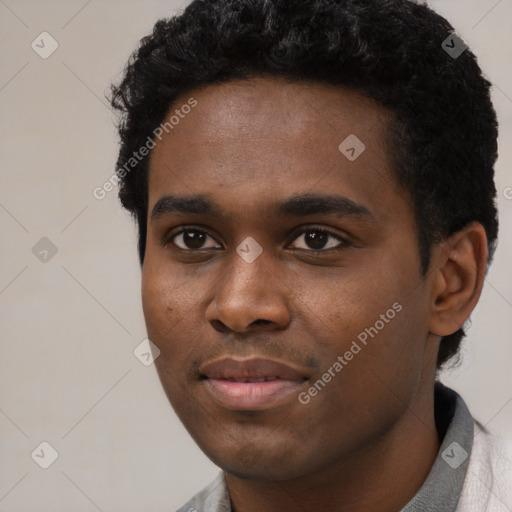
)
(443, 486)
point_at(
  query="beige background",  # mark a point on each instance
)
(69, 326)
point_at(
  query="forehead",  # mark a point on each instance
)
(267, 136)
(301, 112)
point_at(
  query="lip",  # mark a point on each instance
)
(251, 384)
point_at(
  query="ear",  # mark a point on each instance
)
(458, 269)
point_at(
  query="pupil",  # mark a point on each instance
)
(316, 239)
(193, 239)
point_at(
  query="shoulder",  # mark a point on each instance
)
(213, 498)
(488, 483)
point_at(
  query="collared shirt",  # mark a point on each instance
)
(468, 474)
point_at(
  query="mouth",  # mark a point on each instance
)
(251, 384)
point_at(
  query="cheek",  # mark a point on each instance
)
(161, 306)
(380, 315)
(387, 370)
(350, 300)
(155, 302)
(167, 326)
(172, 312)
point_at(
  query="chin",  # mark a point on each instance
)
(263, 472)
(249, 461)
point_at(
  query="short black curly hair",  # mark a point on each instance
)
(444, 127)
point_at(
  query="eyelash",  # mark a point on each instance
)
(344, 243)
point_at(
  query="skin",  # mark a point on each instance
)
(367, 441)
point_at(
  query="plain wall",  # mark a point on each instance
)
(68, 375)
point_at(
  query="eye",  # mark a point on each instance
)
(190, 239)
(317, 239)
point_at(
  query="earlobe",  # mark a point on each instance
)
(459, 264)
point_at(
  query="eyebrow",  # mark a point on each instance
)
(298, 206)
(168, 205)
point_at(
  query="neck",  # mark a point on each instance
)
(383, 476)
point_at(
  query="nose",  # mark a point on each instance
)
(249, 296)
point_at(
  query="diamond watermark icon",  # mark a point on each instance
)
(44, 250)
(351, 147)
(146, 352)
(44, 455)
(44, 45)
(454, 455)
(249, 249)
(454, 45)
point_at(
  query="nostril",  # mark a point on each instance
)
(261, 322)
(219, 326)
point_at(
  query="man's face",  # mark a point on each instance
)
(338, 274)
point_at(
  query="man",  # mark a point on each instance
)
(313, 186)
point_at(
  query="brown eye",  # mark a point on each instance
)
(317, 239)
(191, 239)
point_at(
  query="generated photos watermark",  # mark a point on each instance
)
(137, 156)
(356, 346)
